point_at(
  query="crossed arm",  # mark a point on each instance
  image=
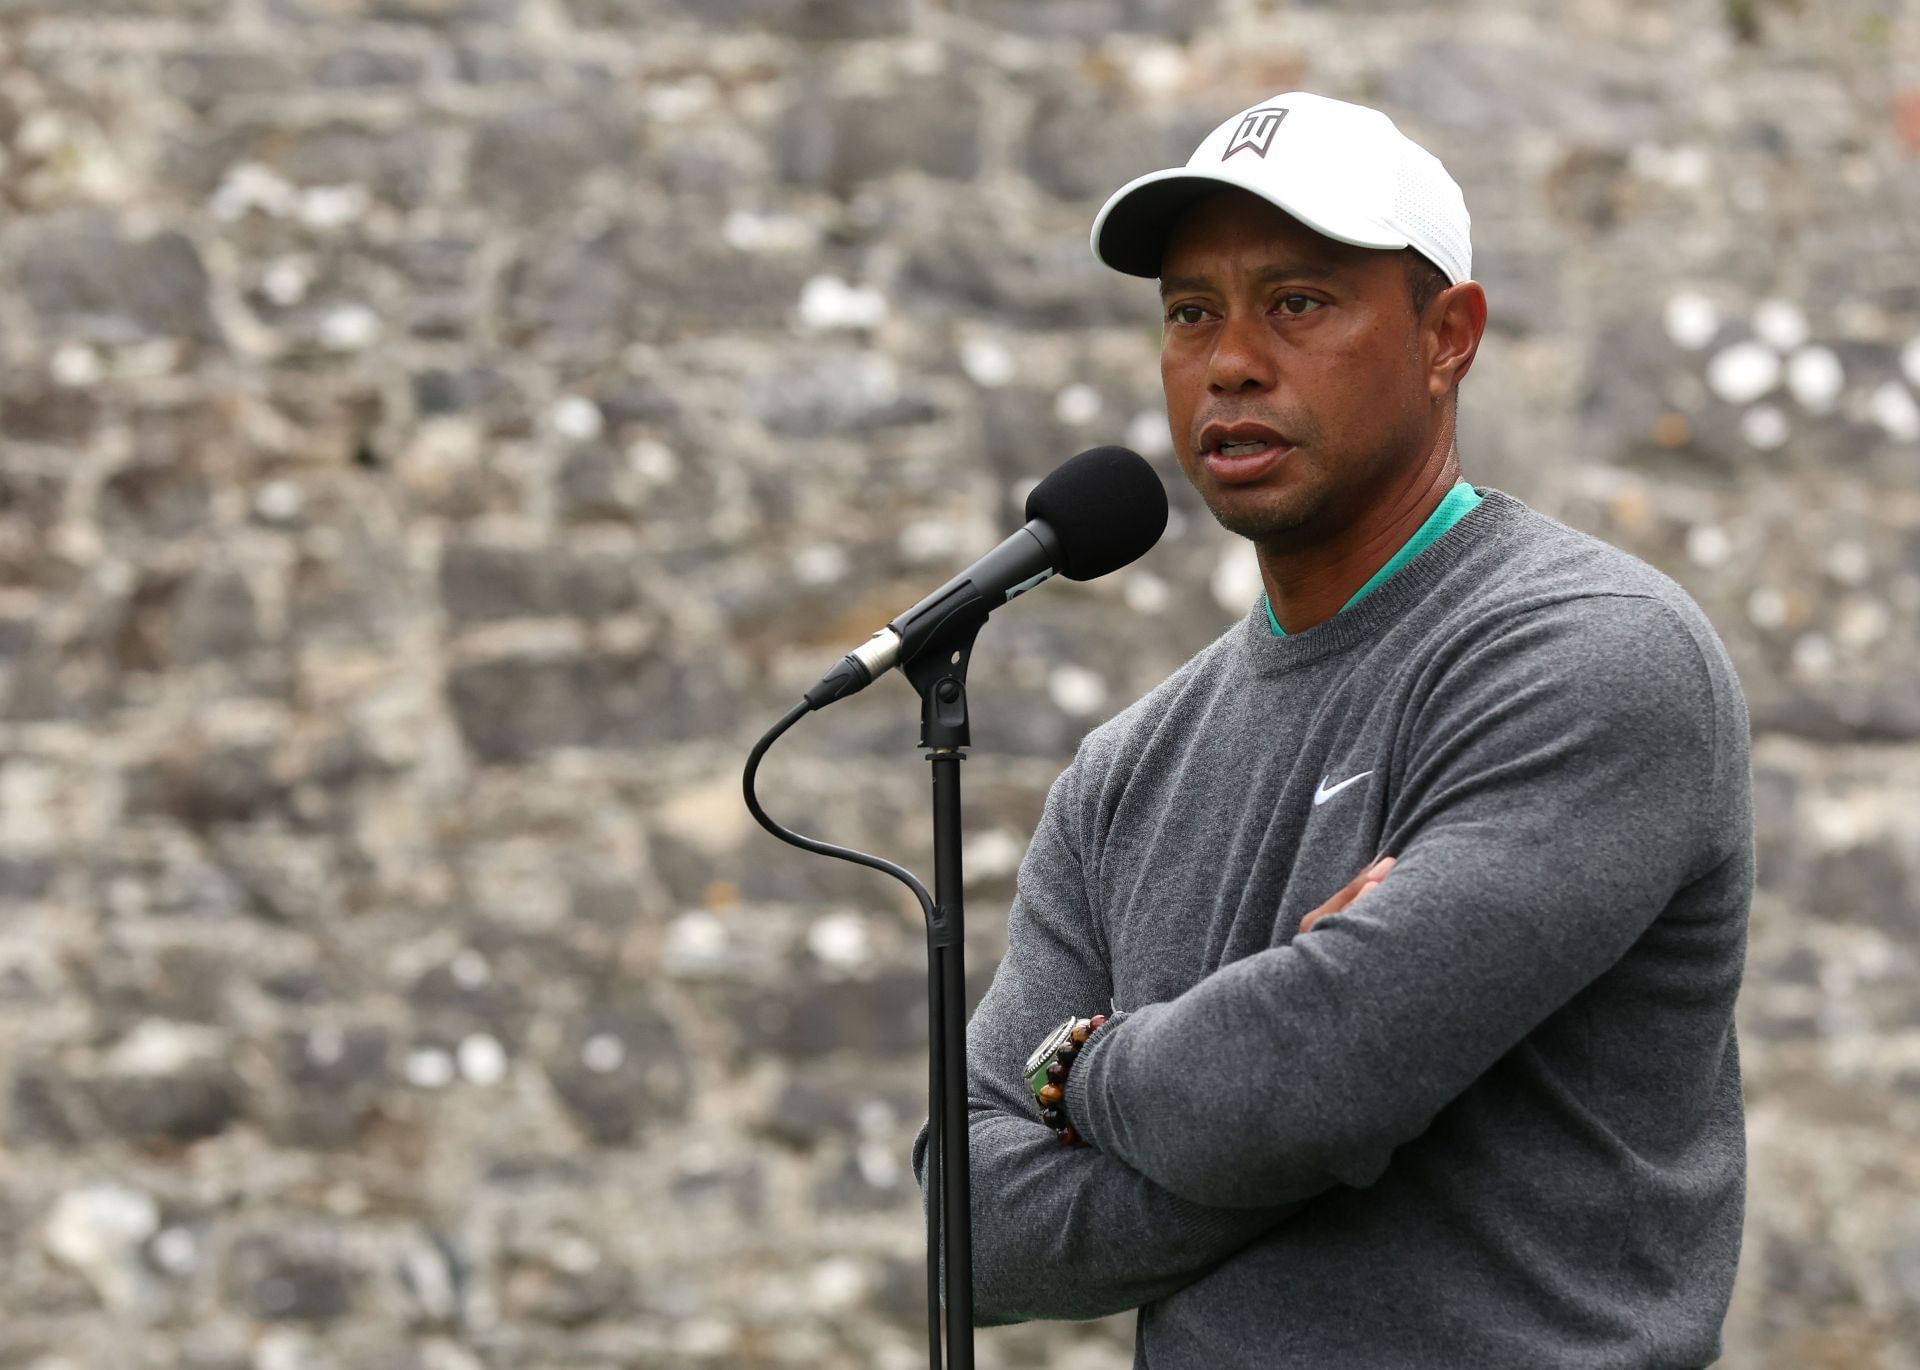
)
(1551, 822)
(1559, 797)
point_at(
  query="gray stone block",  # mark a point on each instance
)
(448, 1004)
(438, 391)
(204, 78)
(515, 708)
(878, 1017)
(1084, 145)
(572, 290)
(803, 19)
(215, 618)
(622, 1075)
(428, 14)
(360, 68)
(43, 1108)
(394, 166)
(202, 787)
(481, 583)
(973, 264)
(203, 10)
(86, 277)
(929, 127)
(563, 1279)
(849, 1189)
(328, 1082)
(527, 163)
(277, 1279)
(153, 499)
(816, 1106)
(182, 1106)
(43, 414)
(1092, 19)
(24, 879)
(186, 984)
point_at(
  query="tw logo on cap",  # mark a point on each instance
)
(1256, 131)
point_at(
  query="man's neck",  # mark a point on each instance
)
(1307, 585)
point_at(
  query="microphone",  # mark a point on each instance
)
(1094, 513)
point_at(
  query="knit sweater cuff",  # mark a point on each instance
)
(1077, 1110)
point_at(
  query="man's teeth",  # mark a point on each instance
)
(1242, 449)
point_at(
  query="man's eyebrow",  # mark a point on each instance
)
(1315, 271)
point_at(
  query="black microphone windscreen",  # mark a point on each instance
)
(1105, 505)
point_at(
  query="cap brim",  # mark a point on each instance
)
(1130, 233)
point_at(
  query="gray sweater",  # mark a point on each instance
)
(1490, 1115)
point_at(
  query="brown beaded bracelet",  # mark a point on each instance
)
(1051, 1063)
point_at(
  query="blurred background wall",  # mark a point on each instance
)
(439, 435)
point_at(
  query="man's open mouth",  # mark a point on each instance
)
(1238, 453)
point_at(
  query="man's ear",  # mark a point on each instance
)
(1455, 319)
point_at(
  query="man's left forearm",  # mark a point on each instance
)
(1065, 1233)
(1304, 1066)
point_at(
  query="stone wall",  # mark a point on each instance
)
(439, 435)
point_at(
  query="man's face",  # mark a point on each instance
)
(1294, 371)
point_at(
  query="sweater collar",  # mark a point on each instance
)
(1455, 505)
(1362, 619)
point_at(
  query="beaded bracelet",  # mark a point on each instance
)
(1046, 1073)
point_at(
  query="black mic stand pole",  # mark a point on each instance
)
(939, 674)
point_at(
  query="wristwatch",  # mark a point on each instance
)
(1046, 1073)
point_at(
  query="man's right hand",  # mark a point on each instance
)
(1352, 890)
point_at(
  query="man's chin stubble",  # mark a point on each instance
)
(1260, 525)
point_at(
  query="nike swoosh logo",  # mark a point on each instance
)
(1324, 793)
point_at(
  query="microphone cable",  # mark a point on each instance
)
(936, 1048)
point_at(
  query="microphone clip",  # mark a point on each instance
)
(938, 674)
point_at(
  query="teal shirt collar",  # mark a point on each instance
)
(1456, 504)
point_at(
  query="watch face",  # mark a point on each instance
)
(1043, 1054)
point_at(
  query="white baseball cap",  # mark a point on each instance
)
(1342, 170)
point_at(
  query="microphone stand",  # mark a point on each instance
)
(939, 675)
(938, 672)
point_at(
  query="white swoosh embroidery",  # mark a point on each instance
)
(1323, 794)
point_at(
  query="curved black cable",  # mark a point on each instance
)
(936, 1199)
(813, 844)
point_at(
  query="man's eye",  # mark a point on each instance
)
(1298, 304)
(1186, 313)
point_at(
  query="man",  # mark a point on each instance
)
(1417, 901)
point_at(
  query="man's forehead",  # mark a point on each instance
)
(1285, 266)
(1233, 228)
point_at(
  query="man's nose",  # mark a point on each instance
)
(1241, 359)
